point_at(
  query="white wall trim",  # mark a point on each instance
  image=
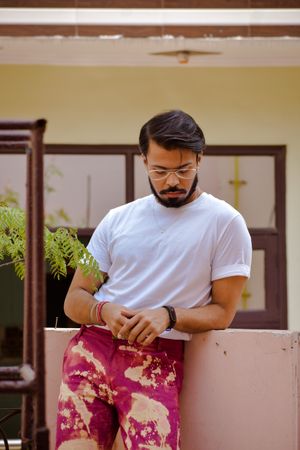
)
(148, 17)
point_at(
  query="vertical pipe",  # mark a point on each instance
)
(27, 407)
(41, 433)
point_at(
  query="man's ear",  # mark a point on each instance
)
(199, 157)
(144, 158)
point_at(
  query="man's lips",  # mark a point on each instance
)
(174, 194)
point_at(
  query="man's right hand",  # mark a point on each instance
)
(115, 316)
(80, 299)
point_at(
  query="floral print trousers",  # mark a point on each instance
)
(108, 383)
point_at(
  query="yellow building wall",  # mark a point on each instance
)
(108, 105)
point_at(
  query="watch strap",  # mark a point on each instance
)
(172, 316)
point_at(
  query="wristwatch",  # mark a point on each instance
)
(172, 316)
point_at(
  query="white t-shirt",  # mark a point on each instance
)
(157, 256)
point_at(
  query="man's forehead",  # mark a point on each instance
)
(159, 156)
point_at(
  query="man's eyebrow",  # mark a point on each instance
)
(175, 168)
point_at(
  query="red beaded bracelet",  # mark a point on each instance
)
(99, 319)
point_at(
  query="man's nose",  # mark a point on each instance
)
(172, 179)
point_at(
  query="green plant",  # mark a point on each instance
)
(62, 248)
(9, 197)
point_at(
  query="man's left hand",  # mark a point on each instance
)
(145, 326)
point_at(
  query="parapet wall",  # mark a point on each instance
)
(241, 389)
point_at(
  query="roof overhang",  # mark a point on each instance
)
(150, 37)
(148, 16)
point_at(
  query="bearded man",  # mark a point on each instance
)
(174, 263)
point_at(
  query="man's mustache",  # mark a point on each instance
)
(174, 189)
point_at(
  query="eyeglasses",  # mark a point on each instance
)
(161, 174)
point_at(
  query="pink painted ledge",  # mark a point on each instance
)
(241, 389)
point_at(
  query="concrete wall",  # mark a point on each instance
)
(241, 389)
(108, 105)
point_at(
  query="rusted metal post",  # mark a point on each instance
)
(27, 404)
(29, 379)
(41, 432)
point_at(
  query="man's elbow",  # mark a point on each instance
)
(68, 306)
(225, 319)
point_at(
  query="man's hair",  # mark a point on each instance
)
(172, 130)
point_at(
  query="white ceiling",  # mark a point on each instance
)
(119, 51)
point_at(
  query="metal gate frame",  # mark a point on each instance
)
(29, 378)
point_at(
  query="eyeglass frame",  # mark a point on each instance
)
(169, 171)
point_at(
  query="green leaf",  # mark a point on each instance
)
(62, 248)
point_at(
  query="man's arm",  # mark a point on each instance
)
(79, 303)
(217, 315)
(79, 299)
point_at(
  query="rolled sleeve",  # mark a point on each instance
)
(233, 254)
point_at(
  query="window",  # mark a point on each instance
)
(82, 182)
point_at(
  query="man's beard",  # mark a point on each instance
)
(174, 202)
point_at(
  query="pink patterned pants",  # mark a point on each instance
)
(108, 383)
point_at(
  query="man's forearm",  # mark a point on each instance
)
(204, 318)
(78, 304)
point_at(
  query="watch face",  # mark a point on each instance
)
(172, 314)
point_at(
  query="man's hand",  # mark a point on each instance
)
(145, 326)
(116, 316)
